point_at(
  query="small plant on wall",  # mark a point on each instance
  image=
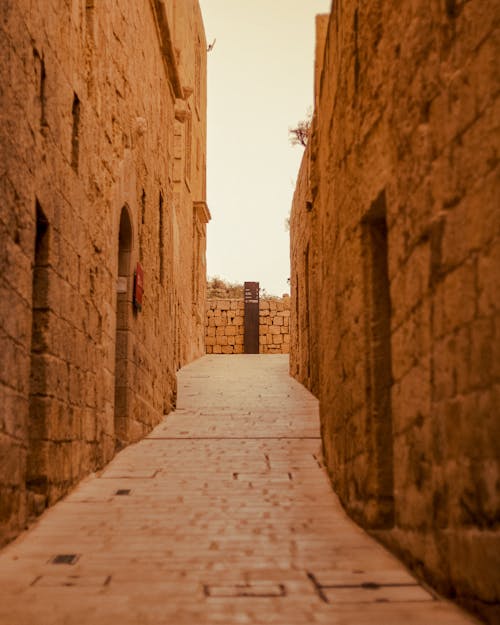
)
(299, 134)
(218, 288)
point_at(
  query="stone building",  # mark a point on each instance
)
(102, 142)
(395, 256)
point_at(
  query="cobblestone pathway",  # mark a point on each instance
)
(222, 515)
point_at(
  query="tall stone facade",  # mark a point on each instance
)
(102, 142)
(396, 280)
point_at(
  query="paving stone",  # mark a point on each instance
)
(230, 519)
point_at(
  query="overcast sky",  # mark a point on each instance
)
(260, 82)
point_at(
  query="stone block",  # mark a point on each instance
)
(460, 296)
(482, 353)
(489, 281)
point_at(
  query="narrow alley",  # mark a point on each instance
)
(223, 514)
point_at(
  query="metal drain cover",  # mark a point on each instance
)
(65, 558)
(370, 592)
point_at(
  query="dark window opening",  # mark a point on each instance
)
(142, 225)
(161, 239)
(41, 77)
(75, 135)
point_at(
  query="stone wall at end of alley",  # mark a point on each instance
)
(225, 326)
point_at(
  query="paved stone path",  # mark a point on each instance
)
(222, 515)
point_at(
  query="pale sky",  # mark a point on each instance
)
(260, 82)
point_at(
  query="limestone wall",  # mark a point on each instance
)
(399, 219)
(274, 326)
(225, 326)
(94, 181)
(306, 298)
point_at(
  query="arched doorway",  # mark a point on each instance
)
(122, 343)
(40, 397)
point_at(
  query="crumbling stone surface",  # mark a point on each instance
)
(95, 180)
(401, 183)
(225, 326)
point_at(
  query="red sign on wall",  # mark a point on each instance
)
(138, 286)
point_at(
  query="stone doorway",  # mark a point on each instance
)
(37, 484)
(378, 367)
(122, 342)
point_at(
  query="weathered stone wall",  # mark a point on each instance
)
(93, 98)
(304, 335)
(307, 297)
(404, 233)
(225, 326)
(274, 326)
